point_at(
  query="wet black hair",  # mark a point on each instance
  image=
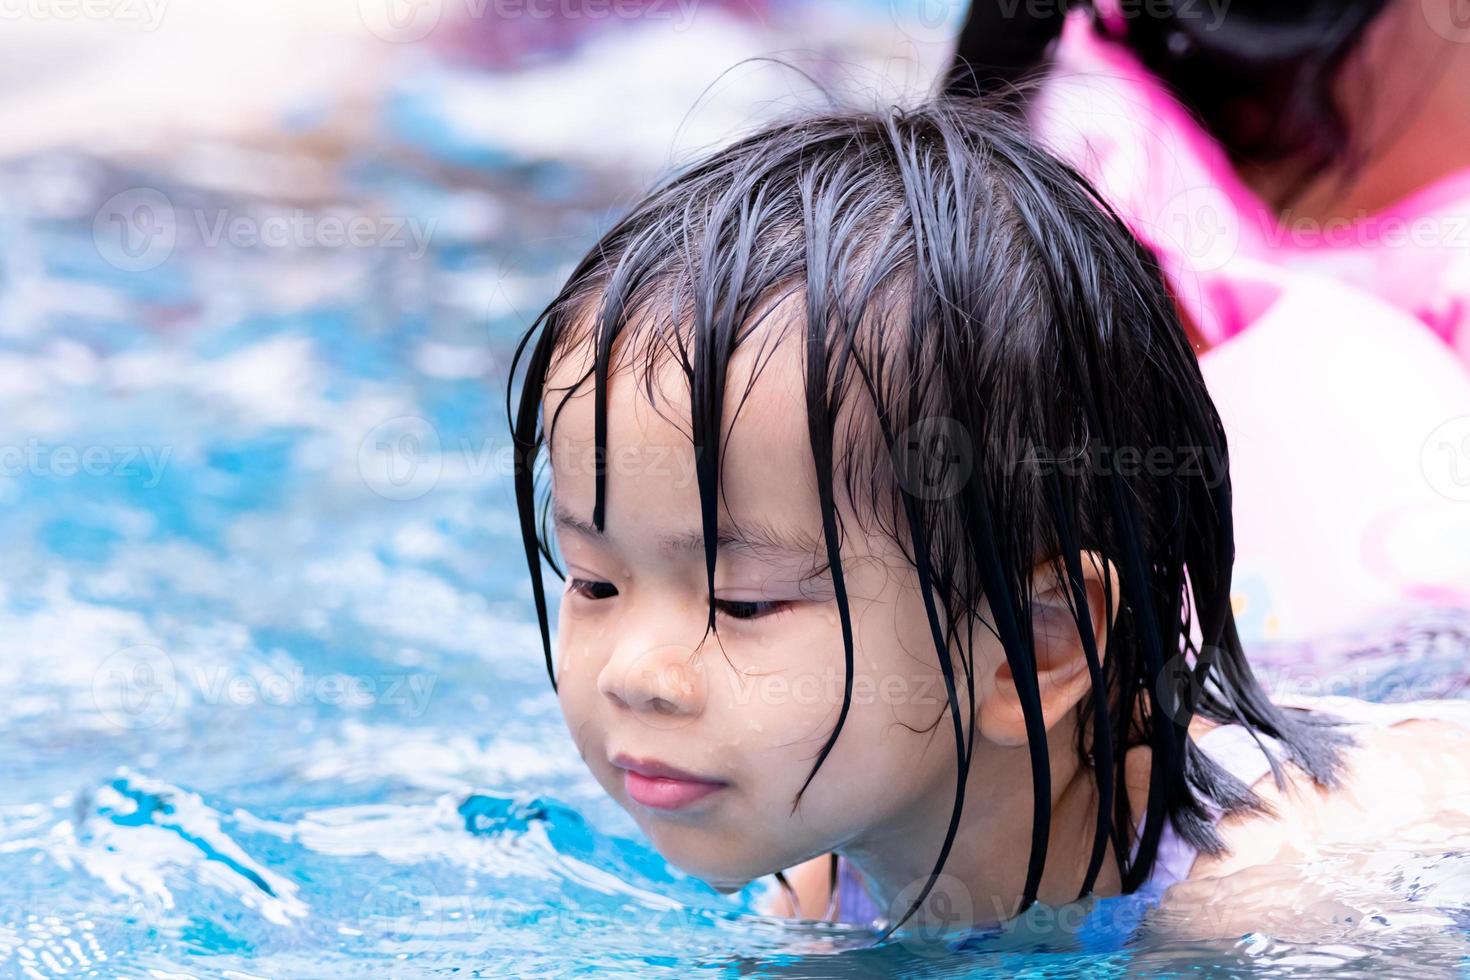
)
(990, 329)
(1260, 76)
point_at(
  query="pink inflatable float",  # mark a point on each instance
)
(1337, 353)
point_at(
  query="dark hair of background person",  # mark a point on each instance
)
(1259, 77)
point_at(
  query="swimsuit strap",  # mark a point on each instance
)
(854, 904)
(1234, 749)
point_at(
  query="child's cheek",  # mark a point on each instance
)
(577, 666)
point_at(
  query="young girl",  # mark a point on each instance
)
(897, 527)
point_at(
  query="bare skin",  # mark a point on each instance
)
(749, 710)
(1384, 803)
(1402, 94)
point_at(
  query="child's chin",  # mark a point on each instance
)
(712, 863)
(720, 874)
(727, 888)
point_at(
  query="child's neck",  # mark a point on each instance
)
(986, 867)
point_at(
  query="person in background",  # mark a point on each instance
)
(1302, 172)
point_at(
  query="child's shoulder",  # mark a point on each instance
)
(1403, 782)
(811, 882)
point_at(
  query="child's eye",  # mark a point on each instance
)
(590, 590)
(752, 609)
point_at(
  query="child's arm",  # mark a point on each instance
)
(809, 880)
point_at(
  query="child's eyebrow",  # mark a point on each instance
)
(755, 538)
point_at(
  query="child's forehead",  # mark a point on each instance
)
(649, 400)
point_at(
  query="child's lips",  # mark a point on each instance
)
(661, 786)
(666, 794)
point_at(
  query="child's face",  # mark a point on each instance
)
(751, 709)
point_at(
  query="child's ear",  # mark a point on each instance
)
(1063, 678)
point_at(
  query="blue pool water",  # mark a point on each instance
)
(275, 703)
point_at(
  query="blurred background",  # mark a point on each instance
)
(274, 697)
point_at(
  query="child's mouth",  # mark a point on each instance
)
(662, 787)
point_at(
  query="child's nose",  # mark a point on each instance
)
(662, 682)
